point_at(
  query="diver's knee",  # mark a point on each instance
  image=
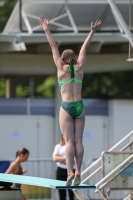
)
(70, 142)
(78, 141)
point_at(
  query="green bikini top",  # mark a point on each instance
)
(69, 80)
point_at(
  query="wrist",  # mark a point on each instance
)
(46, 29)
(92, 31)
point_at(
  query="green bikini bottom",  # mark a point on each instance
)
(74, 109)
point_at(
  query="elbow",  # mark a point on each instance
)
(54, 159)
(53, 45)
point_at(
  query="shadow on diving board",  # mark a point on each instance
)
(43, 182)
(81, 186)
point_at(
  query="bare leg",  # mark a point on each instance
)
(79, 123)
(67, 129)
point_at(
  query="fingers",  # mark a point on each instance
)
(47, 22)
(95, 25)
(43, 21)
(98, 23)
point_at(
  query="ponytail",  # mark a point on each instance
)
(72, 69)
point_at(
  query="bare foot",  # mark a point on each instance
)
(69, 179)
(77, 180)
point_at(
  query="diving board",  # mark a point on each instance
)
(43, 182)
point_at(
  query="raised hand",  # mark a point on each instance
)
(44, 23)
(95, 26)
(24, 171)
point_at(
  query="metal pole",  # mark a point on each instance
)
(121, 20)
(113, 171)
(20, 16)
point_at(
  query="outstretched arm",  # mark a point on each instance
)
(82, 53)
(56, 56)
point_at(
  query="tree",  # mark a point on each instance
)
(46, 88)
(108, 84)
(6, 7)
(2, 88)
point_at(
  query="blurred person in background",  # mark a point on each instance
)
(59, 156)
(15, 168)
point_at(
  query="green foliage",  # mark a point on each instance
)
(22, 91)
(94, 85)
(22, 87)
(2, 87)
(6, 7)
(108, 84)
(47, 88)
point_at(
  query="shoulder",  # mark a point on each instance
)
(63, 68)
(57, 146)
(14, 164)
(56, 149)
(11, 168)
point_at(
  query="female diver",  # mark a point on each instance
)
(71, 116)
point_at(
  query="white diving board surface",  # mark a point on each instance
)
(43, 182)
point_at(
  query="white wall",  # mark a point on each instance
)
(95, 137)
(120, 119)
(35, 133)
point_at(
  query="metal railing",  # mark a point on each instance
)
(95, 169)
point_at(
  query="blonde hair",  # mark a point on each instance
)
(62, 141)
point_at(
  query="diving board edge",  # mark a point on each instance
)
(75, 187)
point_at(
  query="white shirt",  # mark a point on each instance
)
(61, 151)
